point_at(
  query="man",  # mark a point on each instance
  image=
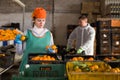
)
(84, 35)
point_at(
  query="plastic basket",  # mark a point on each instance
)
(7, 60)
(45, 70)
(72, 75)
(34, 78)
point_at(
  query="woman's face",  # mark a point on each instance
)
(40, 22)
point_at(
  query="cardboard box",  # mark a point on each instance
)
(94, 7)
(115, 23)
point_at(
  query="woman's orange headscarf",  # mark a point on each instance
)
(39, 13)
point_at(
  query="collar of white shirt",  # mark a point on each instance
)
(39, 31)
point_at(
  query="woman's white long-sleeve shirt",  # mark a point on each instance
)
(84, 37)
(38, 33)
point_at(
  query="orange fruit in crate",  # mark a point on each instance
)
(118, 70)
(53, 59)
(41, 58)
(74, 59)
(80, 58)
(77, 69)
(35, 58)
(49, 59)
(113, 70)
(90, 59)
(106, 59)
(45, 58)
(48, 56)
(94, 67)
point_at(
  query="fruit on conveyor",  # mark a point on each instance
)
(115, 70)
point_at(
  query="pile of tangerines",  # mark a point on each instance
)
(8, 34)
(43, 58)
(82, 59)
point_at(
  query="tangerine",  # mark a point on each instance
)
(23, 38)
(53, 47)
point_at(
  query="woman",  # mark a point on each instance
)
(38, 37)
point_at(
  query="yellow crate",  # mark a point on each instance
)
(93, 76)
(90, 75)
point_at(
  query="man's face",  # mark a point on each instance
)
(40, 22)
(83, 22)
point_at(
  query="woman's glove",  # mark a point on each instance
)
(18, 39)
(51, 49)
(18, 42)
(79, 51)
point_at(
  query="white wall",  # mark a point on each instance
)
(7, 19)
(61, 22)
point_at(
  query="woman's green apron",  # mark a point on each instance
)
(34, 45)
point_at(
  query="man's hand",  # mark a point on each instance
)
(79, 51)
(67, 49)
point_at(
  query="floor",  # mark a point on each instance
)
(12, 71)
(8, 74)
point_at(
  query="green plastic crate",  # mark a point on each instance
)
(45, 70)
